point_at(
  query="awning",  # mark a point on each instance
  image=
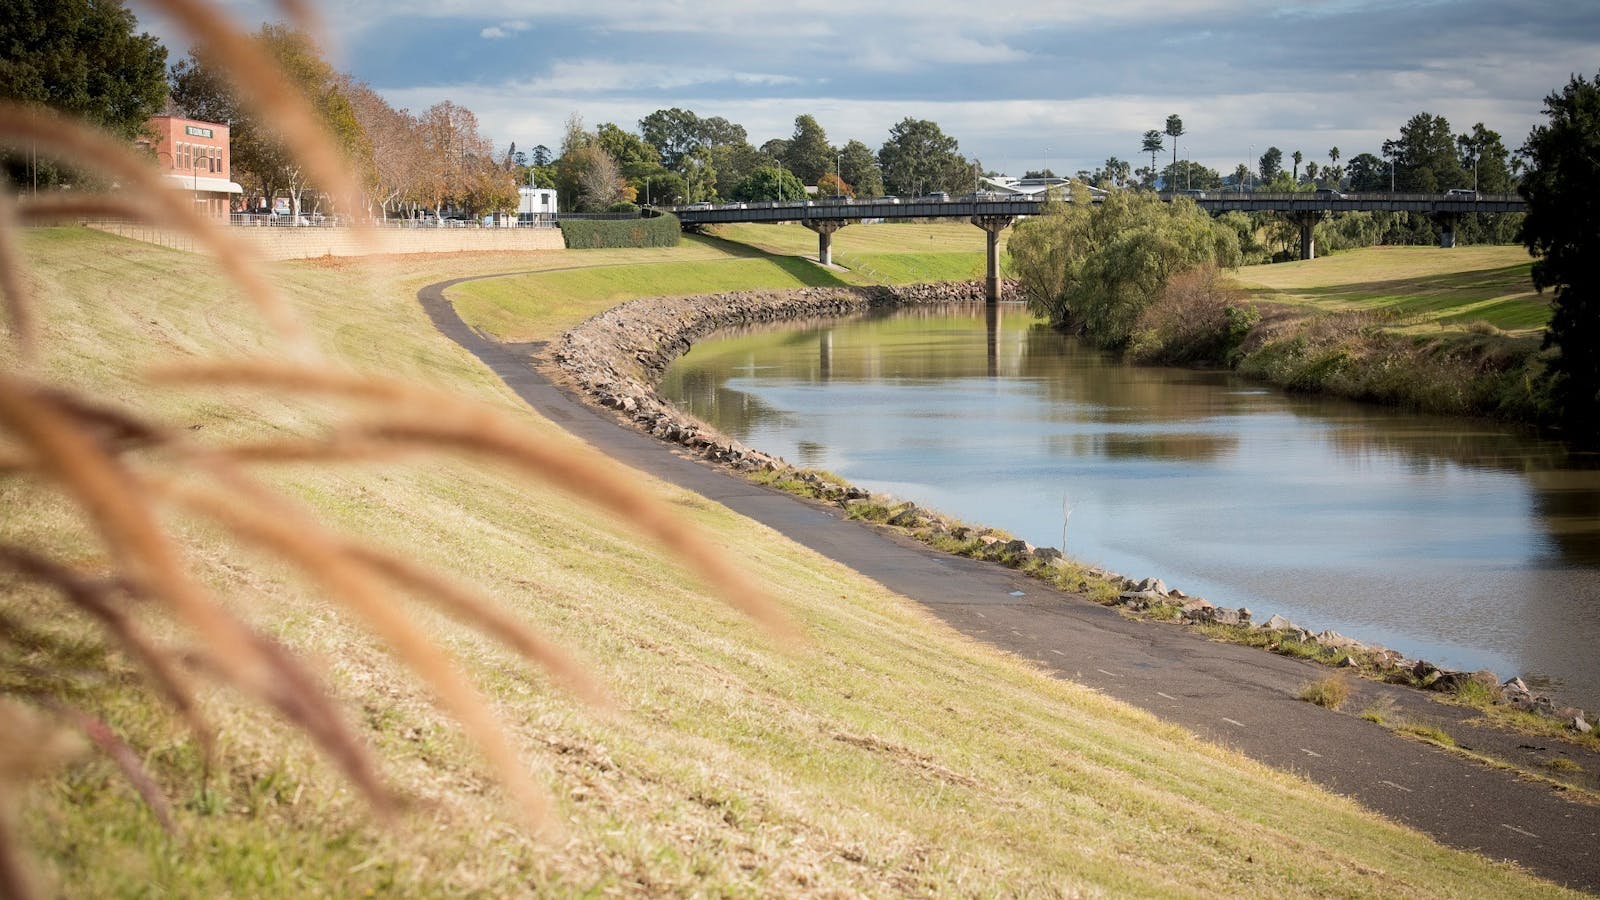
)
(203, 183)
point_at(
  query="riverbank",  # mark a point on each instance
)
(618, 358)
(1414, 327)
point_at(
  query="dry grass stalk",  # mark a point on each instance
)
(81, 145)
(432, 420)
(112, 500)
(95, 598)
(263, 85)
(125, 759)
(14, 292)
(272, 523)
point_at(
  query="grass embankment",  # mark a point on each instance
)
(887, 755)
(1416, 289)
(1443, 331)
(881, 253)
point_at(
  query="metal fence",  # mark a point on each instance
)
(316, 220)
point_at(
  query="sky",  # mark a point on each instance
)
(1021, 84)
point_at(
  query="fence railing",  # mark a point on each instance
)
(314, 220)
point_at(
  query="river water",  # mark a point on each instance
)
(1470, 544)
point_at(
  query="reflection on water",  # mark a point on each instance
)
(1468, 543)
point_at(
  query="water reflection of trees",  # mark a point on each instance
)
(1112, 411)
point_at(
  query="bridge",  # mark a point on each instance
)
(994, 212)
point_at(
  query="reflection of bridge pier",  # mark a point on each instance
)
(824, 229)
(991, 324)
(992, 226)
(825, 355)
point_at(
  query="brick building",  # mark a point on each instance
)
(194, 156)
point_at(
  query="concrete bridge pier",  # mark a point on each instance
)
(992, 226)
(824, 229)
(1308, 232)
(1447, 223)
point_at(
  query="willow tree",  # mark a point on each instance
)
(1098, 266)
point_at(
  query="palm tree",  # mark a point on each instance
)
(1175, 131)
(1296, 157)
(1152, 146)
(1241, 175)
(1333, 165)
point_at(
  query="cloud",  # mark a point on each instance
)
(504, 29)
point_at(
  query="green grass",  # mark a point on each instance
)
(885, 253)
(1421, 288)
(884, 754)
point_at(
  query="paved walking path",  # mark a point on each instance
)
(1241, 697)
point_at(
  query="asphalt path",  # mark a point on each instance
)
(1241, 697)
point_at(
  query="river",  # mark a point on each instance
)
(1470, 544)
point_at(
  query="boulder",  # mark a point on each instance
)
(1152, 584)
(1279, 623)
(1579, 724)
(1047, 554)
(1515, 686)
(1145, 597)
(1338, 641)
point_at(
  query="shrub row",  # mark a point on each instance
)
(594, 234)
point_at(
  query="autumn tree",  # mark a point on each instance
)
(396, 152)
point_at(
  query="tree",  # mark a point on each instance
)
(859, 167)
(1152, 145)
(82, 58)
(673, 132)
(1174, 131)
(1241, 177)
(919, 157)
(1311, 172)
(831, 185)
(1190, 174)
(1562, 231)
(1425, 156)
(396, 146)
(1114, 174)
(625, 147)
(808, 154)
(1333, 161)
(769, 183)
(1271, 164)
(1298, 159)
(1367, 173)
(1484, 153)
(540, 156)
(1101, 265)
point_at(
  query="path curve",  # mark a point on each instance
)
(1240, 697)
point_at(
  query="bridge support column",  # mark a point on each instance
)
(1308, 233)
(992, 226)
(824, 229)
(1447, 229)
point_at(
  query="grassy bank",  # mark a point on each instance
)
(1454, 332)
(885, 756)
(883, 253)
(1414, 289)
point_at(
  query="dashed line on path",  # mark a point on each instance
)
(1168, 696)
(1234, 722)
(1311, 753)
(1522, 831)
(979, 614)
(1057, 652)
(1398, 787)
(1104, 672)
(1017, 633)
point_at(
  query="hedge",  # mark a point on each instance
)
(590, 234)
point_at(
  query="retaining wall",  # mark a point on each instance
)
(278, 242)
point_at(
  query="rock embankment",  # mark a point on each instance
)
(617, 357)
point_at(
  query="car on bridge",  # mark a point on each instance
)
(1328, 194)
(935, 197)
(1461, 194)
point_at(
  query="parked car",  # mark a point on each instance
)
(1461, 194)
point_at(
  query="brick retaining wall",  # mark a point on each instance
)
(303, 243)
